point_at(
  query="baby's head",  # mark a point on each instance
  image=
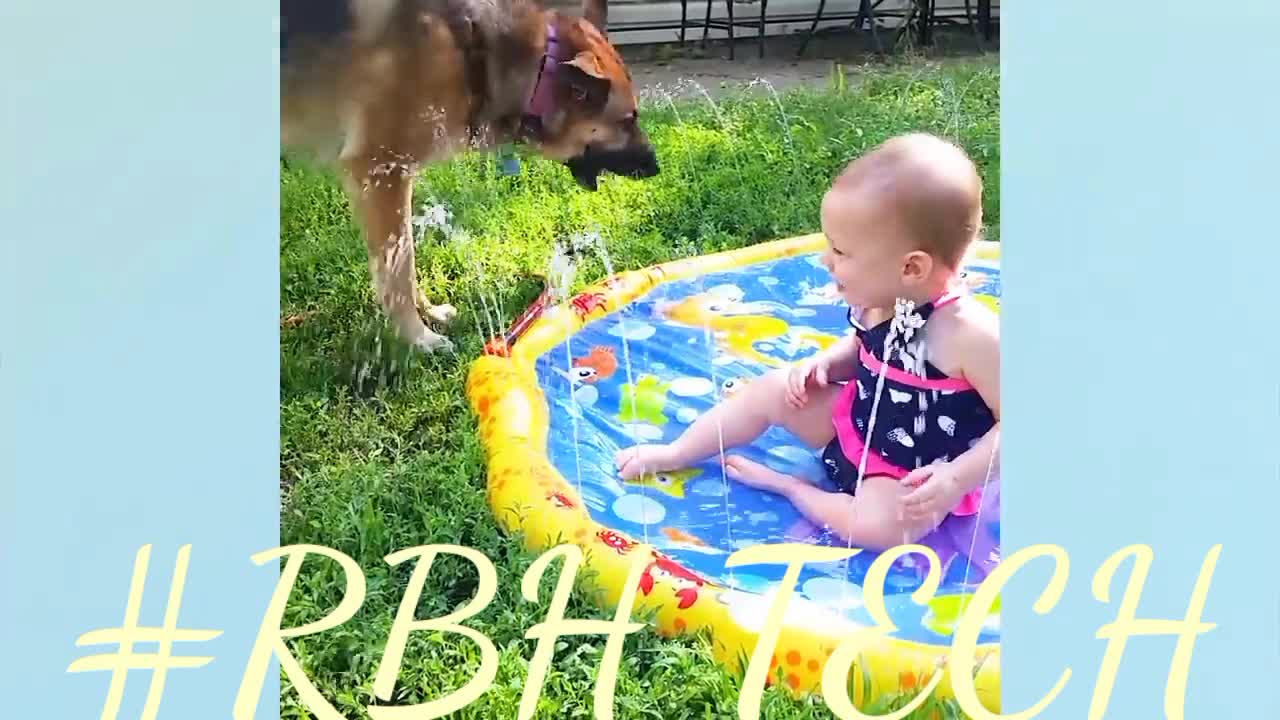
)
(899, 220)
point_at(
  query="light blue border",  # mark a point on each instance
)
(1139, 197)
(140, 355)
(140, 347)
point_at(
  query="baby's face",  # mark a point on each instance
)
(864, 249)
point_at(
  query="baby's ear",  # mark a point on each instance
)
(917, 265)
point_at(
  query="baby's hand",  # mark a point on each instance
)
(812, 369)
(933, 491)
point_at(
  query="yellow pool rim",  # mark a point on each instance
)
(529, 496)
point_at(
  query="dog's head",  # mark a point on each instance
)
(583, 111)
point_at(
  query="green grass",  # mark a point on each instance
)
(379, 447)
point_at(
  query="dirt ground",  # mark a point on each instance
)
(673, 68)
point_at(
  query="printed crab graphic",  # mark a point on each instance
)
(685, 583)
(616, 541)
(561, 500)
(588, 302)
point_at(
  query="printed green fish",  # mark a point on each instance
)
(945, 612)
(645, 401)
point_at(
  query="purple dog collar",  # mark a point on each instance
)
(540, 101)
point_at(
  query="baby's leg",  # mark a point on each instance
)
(871, 520)
(737, 421)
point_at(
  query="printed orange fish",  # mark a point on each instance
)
(599, 364)
(678, 535)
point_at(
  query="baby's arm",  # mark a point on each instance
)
(842, 358)
(938, 487)
(980, 349)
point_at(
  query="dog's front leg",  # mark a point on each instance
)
(439, 314)
(383, 195)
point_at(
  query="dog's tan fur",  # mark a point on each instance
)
(393, 85)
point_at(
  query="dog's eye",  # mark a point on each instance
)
(629, 120)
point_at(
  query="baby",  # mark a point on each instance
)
(909, 438)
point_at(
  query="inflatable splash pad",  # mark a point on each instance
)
(637, 358)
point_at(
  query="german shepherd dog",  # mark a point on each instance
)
(379, 88)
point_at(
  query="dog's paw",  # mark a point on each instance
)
(435, 343)
(435, 314)
(440, 314)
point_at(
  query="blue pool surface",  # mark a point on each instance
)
(697, 516)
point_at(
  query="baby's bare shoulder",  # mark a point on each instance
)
(975, 322)
(964, 332)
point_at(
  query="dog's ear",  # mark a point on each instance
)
(596, 12)
(587, 79)
(587, 62)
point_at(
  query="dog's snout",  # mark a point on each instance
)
(639, 165)
(638, 161)
(635, 162)
(647, 167)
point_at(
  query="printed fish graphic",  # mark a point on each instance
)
(600, 364)
(737, 326)
(672, 483)
(945, 612)
(680, 536)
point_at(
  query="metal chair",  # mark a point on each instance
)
(866, 13)
(731, 23)
(981, 21)
(921, 13)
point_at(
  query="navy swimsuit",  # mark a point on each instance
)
(922, 416)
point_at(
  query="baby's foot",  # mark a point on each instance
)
(753, 474)
(637, 460)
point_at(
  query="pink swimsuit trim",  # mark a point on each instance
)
(852, 442)
(906, 378)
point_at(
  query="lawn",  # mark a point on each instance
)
(379, 446)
